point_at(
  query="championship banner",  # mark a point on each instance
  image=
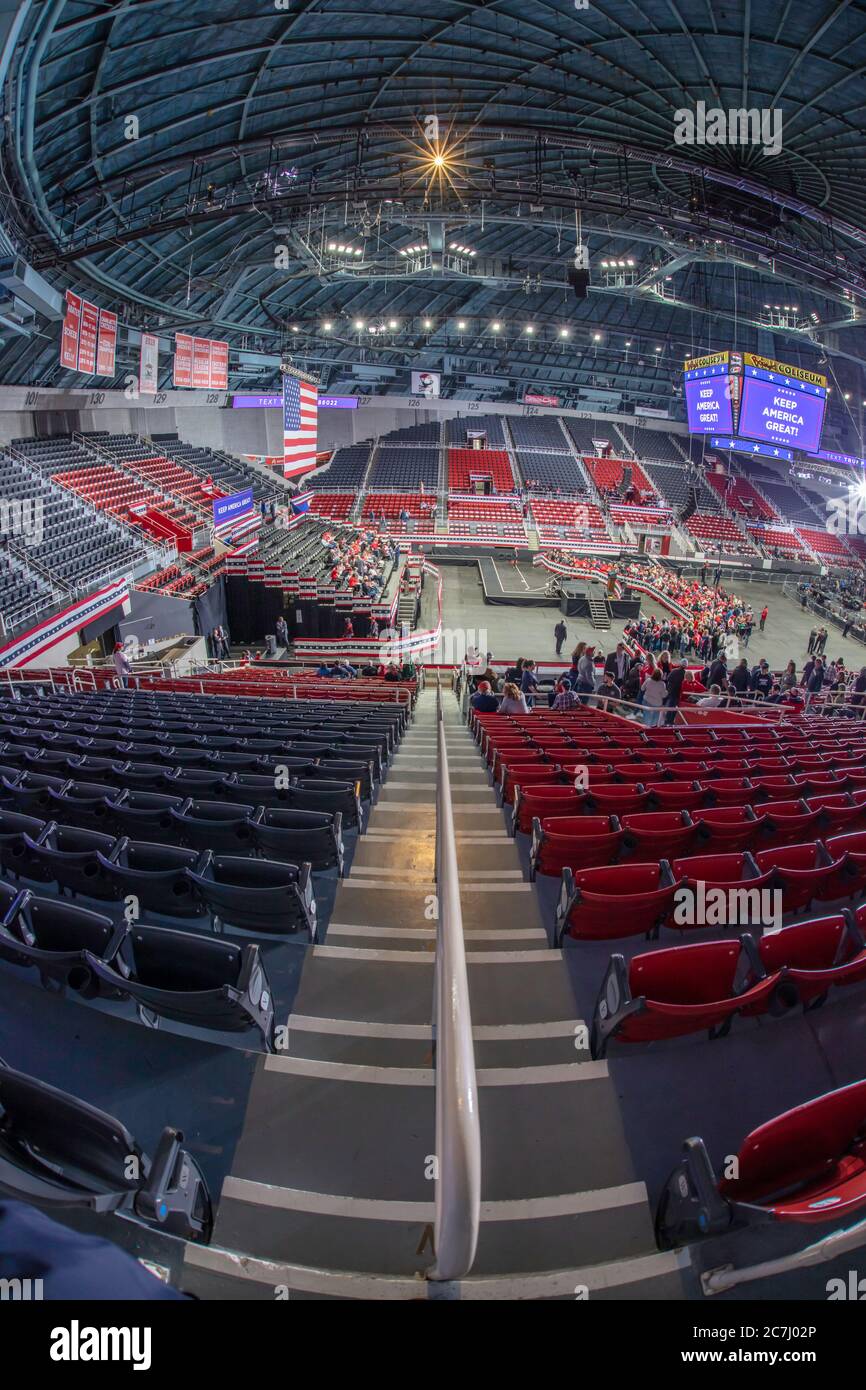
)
(106, 349)
(87, 338)
(219, 366)
(148, 364)
(71, 332)
(183, 345)
(201, 363)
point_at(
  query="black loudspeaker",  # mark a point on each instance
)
(691, 505)
(579, 281)
(626, 479)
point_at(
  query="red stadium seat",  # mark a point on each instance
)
(555, 799)
(839, 812)
(851, 878)
(727, 827)
(815, 956)
(677, 796)
(728, 791)
(623, 900)
(682, 770)
(802, 872)
(616, 798)
(658, 834)
(807, 1165)
(524, 753)
(678, 990)
(787, 823)
(525, 775)
(721, 871)
(813, 783)
(574, 842)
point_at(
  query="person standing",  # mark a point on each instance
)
(764, 611)
(618, 663)
(122, 665)
(653, 690)
(282, 632)
(674, 687)
(560, 632)
(813, 638)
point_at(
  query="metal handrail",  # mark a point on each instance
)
(458, 1133)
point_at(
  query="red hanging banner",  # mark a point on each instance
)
(201, 363)
(106, 350)
(87, 338)
(183, 349)
(71, 332)
(219, 366)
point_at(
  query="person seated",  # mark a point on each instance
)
(713, 698)
(513, 700)
(393, 672)
(484, 700)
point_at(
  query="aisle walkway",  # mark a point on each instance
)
(331, 1193)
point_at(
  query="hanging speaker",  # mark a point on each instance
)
(626, 479)
(579, 281)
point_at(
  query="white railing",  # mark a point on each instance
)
(458, 1133)
(837, 1243)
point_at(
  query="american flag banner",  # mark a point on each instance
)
(300, 425)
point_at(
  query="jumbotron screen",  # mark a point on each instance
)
(709, 405)
(780, 408)
(740, 393)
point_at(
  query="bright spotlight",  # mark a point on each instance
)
(496, 327)
(392, 323)
(529, 328)
(462, 324)
(428, 323)
(359, 324)
(563, 332)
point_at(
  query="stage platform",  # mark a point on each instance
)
(519, 585)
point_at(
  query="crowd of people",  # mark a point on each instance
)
(361, 563)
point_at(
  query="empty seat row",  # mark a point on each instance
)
(704, 987)
(267, 897)
(189, 978)
(631, 899)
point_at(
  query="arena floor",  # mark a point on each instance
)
(513, 632)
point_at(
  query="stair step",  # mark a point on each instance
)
(338, 982)
(411, 1045)
(212, 1272)
(424, 939)
(388, 1237)
(391, 903)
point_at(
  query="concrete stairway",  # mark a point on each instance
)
(331, 1192)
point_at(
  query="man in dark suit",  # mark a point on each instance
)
(560, 632)
(674, 687)
(618, 663)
